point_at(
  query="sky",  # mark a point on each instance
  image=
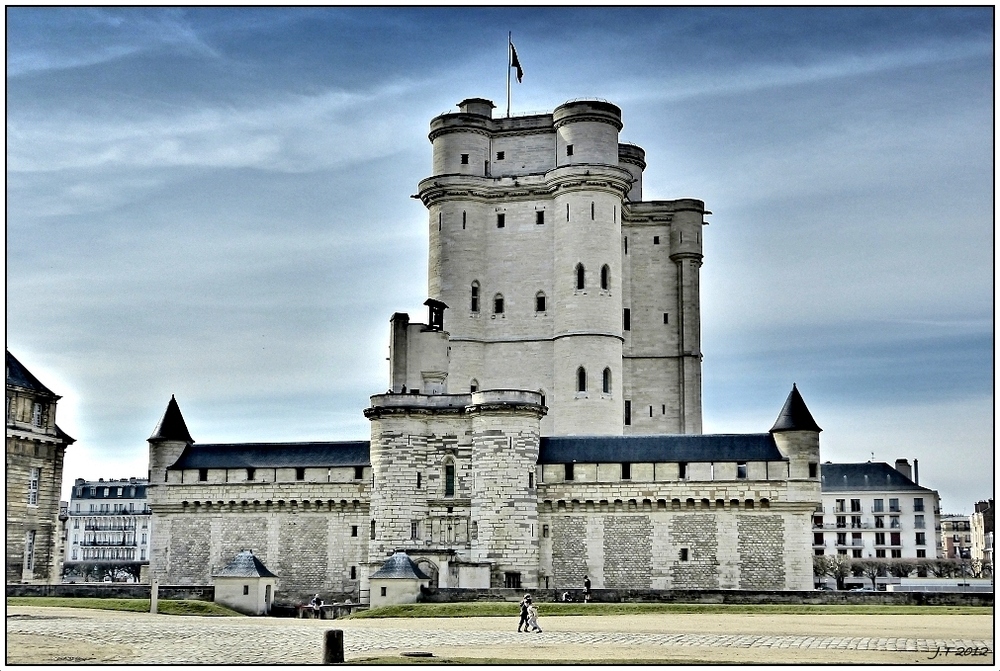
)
(214, 203)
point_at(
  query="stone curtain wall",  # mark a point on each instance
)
(628, 551)
(569, 551)
(698, 534)
(761, 541)
(190, 558)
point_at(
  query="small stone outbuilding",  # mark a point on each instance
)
(398, 581)
(245, 585)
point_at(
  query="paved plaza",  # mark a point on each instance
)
(64, 635)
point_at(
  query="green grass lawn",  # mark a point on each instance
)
(164, 606)
(510, 609)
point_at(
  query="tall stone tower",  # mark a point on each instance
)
(558, 277)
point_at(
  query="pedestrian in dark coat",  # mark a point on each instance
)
(586, 589)
(525, 602)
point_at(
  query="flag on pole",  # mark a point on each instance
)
(514, 63)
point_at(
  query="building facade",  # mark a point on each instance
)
(108, 530)
(874, 510)
(543, 425)
(36, 447)
(956, 537)
(982, 535)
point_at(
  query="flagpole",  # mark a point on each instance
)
(509, 37)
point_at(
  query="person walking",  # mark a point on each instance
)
(586, 589)
(525, 602)
(533, 618)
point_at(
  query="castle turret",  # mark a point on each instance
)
(168, 441)
(797, 437)
(685, 252)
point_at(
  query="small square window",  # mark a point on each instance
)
(246, 590)
(626, 471)
(666, 317)
(741, 470)
(354, 530)
(383, 591)
(501, 220)
(569, 150)
(539, 303)
(465, 159)
(545, 531)
(359, 472)
(540, 217)
(500, 155)
(656, 239)
(202, 475)
(626, 319)
(568, 471)
(684, 554)
(300, 473)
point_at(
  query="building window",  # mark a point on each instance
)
(465, 159)
(879, 522)
(918, 521)
(592, 210)
(921, 538)
(545, 531)
(500, 155)
(29, 550)
(877, 506)
(512, 580)
(300, 473)
(463, 220)
(842, 538)
(413, 531)
(894, 538)
(354, 531)
(896, 554)
(36, 414)
(359, 472)
(36, 475)
(921, 554)
(475, 297)
(371, 533)
(474, 386)
(605, 278)
(893, 505)
(246, 590)
(569, 150)
(568, 472)
(894, 522)
(581, 379)
(628, 413)
(354, 573)
(813, 470)
(539, 302)
(383, 591)
(540, 217)
(840, 506)
(531, 480)
(682, 470)
(419, 479)
(580, 276)
(684, 554)
(449, 479)
(879, 538)
(626, 319)
(918, 505)
(855, 521)
(626, 470)
(251, 473)
(855, 505)
(501, 220)
(741, 470)
(606, 381)
(656, 239)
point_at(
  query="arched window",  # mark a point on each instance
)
(540, 302)
(581, 379)
(579, 276)
(475, 297)
(474, 386)
(606, 386)
(498, 304)
(605, 278)
(449, 477)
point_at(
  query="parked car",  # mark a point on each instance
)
(862, 589)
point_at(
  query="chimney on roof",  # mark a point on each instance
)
(916, 472)
(903, 466)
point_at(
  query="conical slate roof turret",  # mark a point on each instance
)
(795, 416)
(172, 426)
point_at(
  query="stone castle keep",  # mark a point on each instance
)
(543, 425)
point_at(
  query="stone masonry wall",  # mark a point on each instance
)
(697, 534)
(761, 545)
(628, 551)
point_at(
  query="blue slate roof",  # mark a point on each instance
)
(399, 565)
(171, 426)
(274, 455)
(245, 565)
(794, 415)
(877, 476)
(659, 448)
(19, 376)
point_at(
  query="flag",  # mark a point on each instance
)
(514, 63)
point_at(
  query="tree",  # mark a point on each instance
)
(901, 568)
(871, 569)
(839, 567)
(942, 568)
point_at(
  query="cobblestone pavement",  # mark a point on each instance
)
(178, 639)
